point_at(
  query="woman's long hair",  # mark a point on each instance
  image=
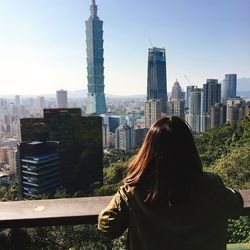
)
(166, 161)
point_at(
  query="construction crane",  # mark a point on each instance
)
(151, 43)
(187, 79)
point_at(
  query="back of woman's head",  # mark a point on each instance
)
(167, 158)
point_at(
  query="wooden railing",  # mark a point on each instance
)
(35, 213)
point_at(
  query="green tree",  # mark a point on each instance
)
(234, 168)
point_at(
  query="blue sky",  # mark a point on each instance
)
(42, 42)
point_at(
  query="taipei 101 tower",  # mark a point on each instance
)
(96, 103)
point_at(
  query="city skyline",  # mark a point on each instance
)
(42, 44)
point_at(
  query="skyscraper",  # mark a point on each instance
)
(157, 76)
(229, 86)
(195, 115)
(212, 94)
(177, 93)
(96, 103)
(61, 99)
(188, 91)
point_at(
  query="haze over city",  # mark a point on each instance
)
(42, 43)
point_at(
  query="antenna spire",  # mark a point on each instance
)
(93, 9)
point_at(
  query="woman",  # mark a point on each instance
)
(167, 201)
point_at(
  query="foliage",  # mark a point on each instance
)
(234, 168)
(113, 176)
(67, 237)
(219, 141)
(10, 193)
(114, 156)
(226, 150)
(239, 230)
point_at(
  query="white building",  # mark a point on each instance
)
(61, 99)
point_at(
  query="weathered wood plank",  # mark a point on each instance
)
(63, 211)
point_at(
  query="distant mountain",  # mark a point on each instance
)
(243, 89)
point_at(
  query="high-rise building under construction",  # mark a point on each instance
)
(157, 77)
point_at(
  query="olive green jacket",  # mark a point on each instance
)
(198, 224)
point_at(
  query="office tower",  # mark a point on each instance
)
(157, 77)
(17, 100)
(176, 108)
(177, 93)
(96, 103)
(229, 86)
(123, 137)
(39, 168)
(152, 112)
(211, 94)
(218, 115)
(195, 115)
(189, 89)
(236, 109)
(80, 138)
(41, 103)
(61, 99)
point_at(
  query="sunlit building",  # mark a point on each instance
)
(96, 103)
(187, 97)
(177, 93)
(152, 112)
(195, 117)
(218, 115)
(229, 87)
(236, 109)
(176, 108)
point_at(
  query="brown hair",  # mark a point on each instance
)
(166, 159)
